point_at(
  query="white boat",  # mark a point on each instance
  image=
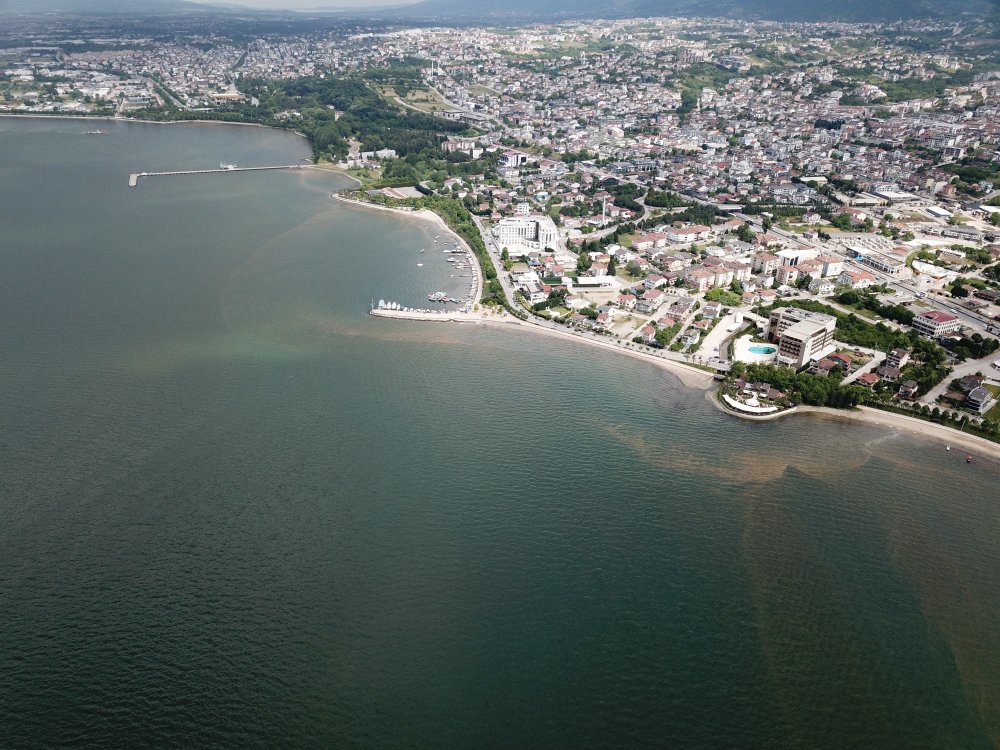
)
(420, 265)
(381, 304)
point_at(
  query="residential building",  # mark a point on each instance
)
(979, 399)
(934, 323)
(897, 358)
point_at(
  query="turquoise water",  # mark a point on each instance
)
(236, 511)
(762, 349)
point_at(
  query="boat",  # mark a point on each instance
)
(968, 458)
(422, 249)
(96, 132)
(381, 304)
(420, 265)
(228, 167)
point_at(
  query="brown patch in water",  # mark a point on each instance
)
(749, 466)
(963, 607)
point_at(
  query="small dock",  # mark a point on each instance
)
(133, 179)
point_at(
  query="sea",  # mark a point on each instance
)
(238, 511)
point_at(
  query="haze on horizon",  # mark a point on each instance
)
(307, 4)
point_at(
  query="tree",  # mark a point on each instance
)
(612, 267)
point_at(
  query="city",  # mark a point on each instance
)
(500, 374)
(663, 183)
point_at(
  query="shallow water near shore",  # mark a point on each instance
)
(235, 510)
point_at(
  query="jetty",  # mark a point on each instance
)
(133, 179)
(452, 316)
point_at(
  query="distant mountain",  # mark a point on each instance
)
(776, 10)
(87, 7)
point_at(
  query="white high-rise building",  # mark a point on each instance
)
(533, 232)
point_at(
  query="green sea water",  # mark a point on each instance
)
(236, 511)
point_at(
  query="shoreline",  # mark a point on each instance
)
(693, 377)
(689, 376)
(972, 444)
(870, 415)
(330, 167)
(109, 118)
(425, 214)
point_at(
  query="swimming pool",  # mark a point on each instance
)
(762, 349)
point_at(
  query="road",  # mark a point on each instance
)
(969, 367)
(971, 319)
(494, 253)
(508, 289)
(877, 358)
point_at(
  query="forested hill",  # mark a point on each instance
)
(776, 10)
(332, 110)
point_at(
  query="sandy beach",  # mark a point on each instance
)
(972, 444)
(692, 377)
(869, 415)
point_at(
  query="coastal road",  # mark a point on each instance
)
(609, 342)
(973, 320)
(494, 252)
